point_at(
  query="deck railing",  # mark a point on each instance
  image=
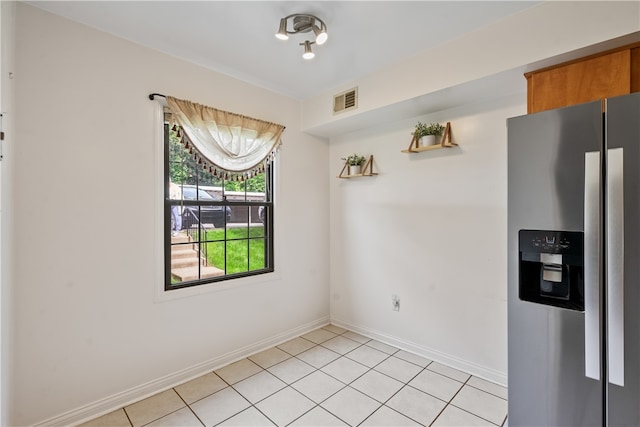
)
(198, 232)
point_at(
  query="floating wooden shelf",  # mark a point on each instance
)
(431, 147)
(367, 170)
(445, 143)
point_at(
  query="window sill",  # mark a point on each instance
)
(163, 296)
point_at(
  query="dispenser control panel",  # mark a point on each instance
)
(550, 241)
(551, 268)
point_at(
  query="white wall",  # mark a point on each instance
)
(7, 11)
(81, 187)
(549, 29)
(431, 228)
(87, 324)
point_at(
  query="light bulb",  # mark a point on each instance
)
(282, 31)
(308, 53)
(321, 35)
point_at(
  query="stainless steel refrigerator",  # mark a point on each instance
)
(574, 265)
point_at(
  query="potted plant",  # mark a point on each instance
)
(355, 163)
(426, 133)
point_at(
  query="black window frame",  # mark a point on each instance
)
(267, 204)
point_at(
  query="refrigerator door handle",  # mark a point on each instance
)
(615, 265)
(592, 264)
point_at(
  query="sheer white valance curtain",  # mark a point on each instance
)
(228, 144)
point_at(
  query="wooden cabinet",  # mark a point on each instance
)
(600, 76)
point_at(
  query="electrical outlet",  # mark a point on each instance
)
(395, 303)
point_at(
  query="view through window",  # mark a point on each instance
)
(215, 228)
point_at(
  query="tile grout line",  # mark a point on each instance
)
(450, 400)
(369, 369)
(343, 385)
(316, 405)
(228, 385)
(242, 396)
(404, 384)
(475, 415)
(188, 406)
(485, 391)
(462, 409)
(127, 415)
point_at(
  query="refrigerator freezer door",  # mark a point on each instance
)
(623, 132)
(546, 176)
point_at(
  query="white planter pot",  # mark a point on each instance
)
(428, 140)
(355, 170)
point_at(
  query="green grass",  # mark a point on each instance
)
(236, 250)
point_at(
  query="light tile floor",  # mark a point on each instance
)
(327, 377)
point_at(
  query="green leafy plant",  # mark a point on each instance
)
(423, 129)
(354, 160)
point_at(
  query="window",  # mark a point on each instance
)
(216, 227)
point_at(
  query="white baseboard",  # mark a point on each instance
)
(142, 391)
(435, 355)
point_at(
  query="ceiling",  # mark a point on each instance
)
(237, 37)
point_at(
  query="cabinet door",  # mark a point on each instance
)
(596, 78)
(635, 70)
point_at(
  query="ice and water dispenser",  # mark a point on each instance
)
(551, 267)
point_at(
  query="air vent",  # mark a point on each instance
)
(345, 101)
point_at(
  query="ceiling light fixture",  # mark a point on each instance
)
(303, 23)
